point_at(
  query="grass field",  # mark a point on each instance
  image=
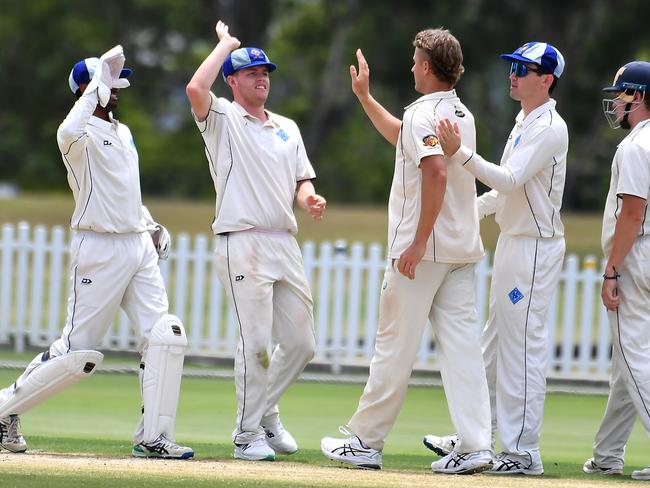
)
(353, 223)
(96, 418)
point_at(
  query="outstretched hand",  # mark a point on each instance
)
(449, 136)
(360, 78)
(224, 36)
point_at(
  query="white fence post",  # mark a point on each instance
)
(6, 275)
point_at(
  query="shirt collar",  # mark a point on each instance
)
(271, 116)
(434, 96)
(521, 120)
(638, 127)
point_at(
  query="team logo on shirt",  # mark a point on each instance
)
(459, 113)
(430, 140)
(515, 295)
(517, 140)
(283, 135)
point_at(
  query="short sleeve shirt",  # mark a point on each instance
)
(255, 167)
(455, 237)
(630, 176)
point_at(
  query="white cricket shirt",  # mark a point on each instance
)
(255, 166)
(630, 176)
(455, 237)
(103, 174)
(529, 182)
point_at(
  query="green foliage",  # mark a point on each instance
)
(313, 42)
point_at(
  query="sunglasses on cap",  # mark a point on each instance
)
(520, 70)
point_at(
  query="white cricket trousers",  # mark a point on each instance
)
(445, 295)
(109, 271)
(629, 394)
(264, 278)
(525, 275)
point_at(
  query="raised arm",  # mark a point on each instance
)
(198, 89)
(387, 125)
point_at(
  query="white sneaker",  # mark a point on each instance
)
(351, 451)
(279, 439)
(255, 450)
(641, 474)
(529, 463)
(10, 437)
(440, 445)
(163, 448)
(463, 462)
(590, 467)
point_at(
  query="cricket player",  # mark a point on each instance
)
(526, 198)
(114, 263)
(260, 168)
(626, 280)
(433, 245)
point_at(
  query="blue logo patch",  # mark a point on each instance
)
(517, 141)
(515, 295)
(282, 135)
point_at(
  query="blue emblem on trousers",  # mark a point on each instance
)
(515, 295)
(282, 135)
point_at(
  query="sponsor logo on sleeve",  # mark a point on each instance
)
(430, 140)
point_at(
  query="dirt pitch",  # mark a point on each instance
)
(279, 472)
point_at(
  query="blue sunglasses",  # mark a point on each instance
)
(520, 70)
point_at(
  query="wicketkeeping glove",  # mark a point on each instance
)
(107, 74)
(162, 241)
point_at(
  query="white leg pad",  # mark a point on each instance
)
(45, 378)
(161, 380)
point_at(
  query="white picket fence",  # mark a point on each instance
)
(345, 281)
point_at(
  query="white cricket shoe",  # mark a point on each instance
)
(255, 450)
(279, 439)
(163, 448)
(440, 445)
(591, 467)
(463, 462)
(10, 437)
(508, 463)
(351, 451)
(641, 474)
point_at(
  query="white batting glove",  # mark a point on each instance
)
(113, 62)
(162, 241)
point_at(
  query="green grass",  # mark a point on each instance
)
(97, 417)
(353, 223)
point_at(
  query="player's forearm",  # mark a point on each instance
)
(385, 123)
(304, 189)
(74, 125)
(434, 183)
(198, 89)
(626, 231)
(497, 177)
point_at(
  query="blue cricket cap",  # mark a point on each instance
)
(245, 57)
(83, 71)
(546, 56)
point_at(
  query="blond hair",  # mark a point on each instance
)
(443, 53)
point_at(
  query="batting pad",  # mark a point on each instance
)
(161, 379)
(43, 379)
